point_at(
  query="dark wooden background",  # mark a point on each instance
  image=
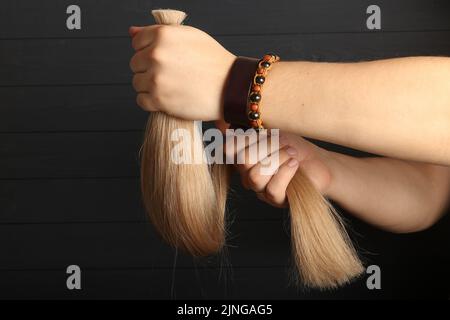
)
(70, 132)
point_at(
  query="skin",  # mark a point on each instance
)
(373, 106)
(414, 194)
(395, 107)
(161, 57)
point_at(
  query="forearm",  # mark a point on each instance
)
(396, 107)
(398, 196)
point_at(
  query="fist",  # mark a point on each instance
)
(179, 70)
(294, 153)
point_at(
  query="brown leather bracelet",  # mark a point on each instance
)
(236, 91)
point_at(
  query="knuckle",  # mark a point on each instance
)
(134, 82)
(155, 80)
(135, 62)
(160, 33)
(248, 166)
(244, 182)
(275, 195)
(157, 100)
(254, 179)
(140, 101)
(154, 54)
(272, 193)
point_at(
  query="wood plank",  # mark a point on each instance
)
(88, 176)
(250, 243)
(125, 245)
(22, 18)
(101, 200)
(118, 261)
(204, 283)
(88, 108)
(145, 284)
(105, 61)
(70, 154)
(70, 200)
(79, 155)
(200, 283)
(213, 283)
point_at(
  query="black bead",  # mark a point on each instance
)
(254, 115)
(265, 64)
(255, 97)
(260, 79)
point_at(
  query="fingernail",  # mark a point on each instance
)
(293, 163)
(291, 151)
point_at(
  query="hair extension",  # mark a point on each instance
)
(323, 252)
(186, 203)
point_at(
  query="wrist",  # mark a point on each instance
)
(236, 88)
(270, 92)
(333, 163)
(243, 91)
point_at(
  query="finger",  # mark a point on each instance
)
(258, 178)
(246, 152)
(251, 159)
(276, 188)
(145, 102)
(244, 181)
(141, 82)
(145, 37)
(141, 60)
(257, 152)
(236, 140)
(261, 196)
(239, 142)
(258, 147)
(133, 30)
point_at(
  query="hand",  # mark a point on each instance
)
(295, 153)
(179, 70)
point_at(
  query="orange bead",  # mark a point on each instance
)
(256, 88)
(254, 123)
(261, 70)
(254, 107)
(267, 57)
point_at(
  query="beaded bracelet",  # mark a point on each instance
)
(254, 96)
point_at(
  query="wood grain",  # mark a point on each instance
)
(106, 61)
(70, 133)
(107, 18)
(39, 201)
